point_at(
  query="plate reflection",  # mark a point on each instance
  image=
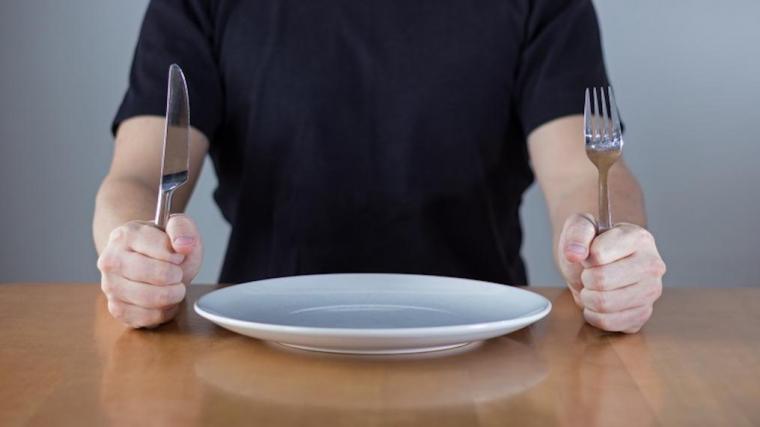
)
(481, 372)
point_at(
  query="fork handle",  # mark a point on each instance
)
(605, 216)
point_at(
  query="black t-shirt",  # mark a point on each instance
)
(370, 135)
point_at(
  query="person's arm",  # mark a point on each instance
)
(617, 276)
(143, 269)
(130, 190)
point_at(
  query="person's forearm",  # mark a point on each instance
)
(120, 200)
(581, 196)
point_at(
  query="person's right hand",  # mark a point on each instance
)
(144, 270)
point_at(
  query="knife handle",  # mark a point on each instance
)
(163, 208)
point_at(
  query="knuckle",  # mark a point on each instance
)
(605, 322)
(157, 317)
(133, 231)
(644, 236)
(146, 319)
(657, 267)
(108, 262)
(169, 313)
(654, 293)
(646, 314)
(116, 309)
(594, 278)
(640, 319)
(658, 291)
(618, 231)
(117, 234)
(102, 263)
(601, 303)
(162, 298)
(107, 287)
(143, 235)
(153, 318)
(133, 226)
(129, 230)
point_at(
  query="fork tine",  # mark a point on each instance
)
(606, 132)
(587, 115)
(614, 111)
(595, 118)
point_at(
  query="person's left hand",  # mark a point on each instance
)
(614, 277)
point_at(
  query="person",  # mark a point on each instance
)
(371, 136)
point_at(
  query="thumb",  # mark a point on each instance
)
(577, 234)
(183, 234)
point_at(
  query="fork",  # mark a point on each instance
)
(604, 145)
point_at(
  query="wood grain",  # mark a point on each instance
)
(65, 361)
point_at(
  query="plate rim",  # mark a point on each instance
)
(403, 332)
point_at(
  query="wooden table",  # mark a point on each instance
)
(64, 360)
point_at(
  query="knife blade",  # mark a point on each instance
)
(174, 161)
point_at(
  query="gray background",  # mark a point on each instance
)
(687, 77)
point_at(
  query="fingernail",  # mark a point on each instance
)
(576, 249)
(177, 259)
(184, 241)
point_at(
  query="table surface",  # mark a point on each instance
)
(64, 360)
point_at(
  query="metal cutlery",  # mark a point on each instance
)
(174, 162)
(604, 145)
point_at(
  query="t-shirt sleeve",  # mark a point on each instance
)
(181, 32)
(561, 57)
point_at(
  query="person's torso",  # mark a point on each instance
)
(370, 136)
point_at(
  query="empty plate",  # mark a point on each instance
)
(372, 313)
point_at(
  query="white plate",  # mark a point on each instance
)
(372, 313)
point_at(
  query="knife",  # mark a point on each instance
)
(174, 162)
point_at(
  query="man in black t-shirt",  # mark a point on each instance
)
(371, 136)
